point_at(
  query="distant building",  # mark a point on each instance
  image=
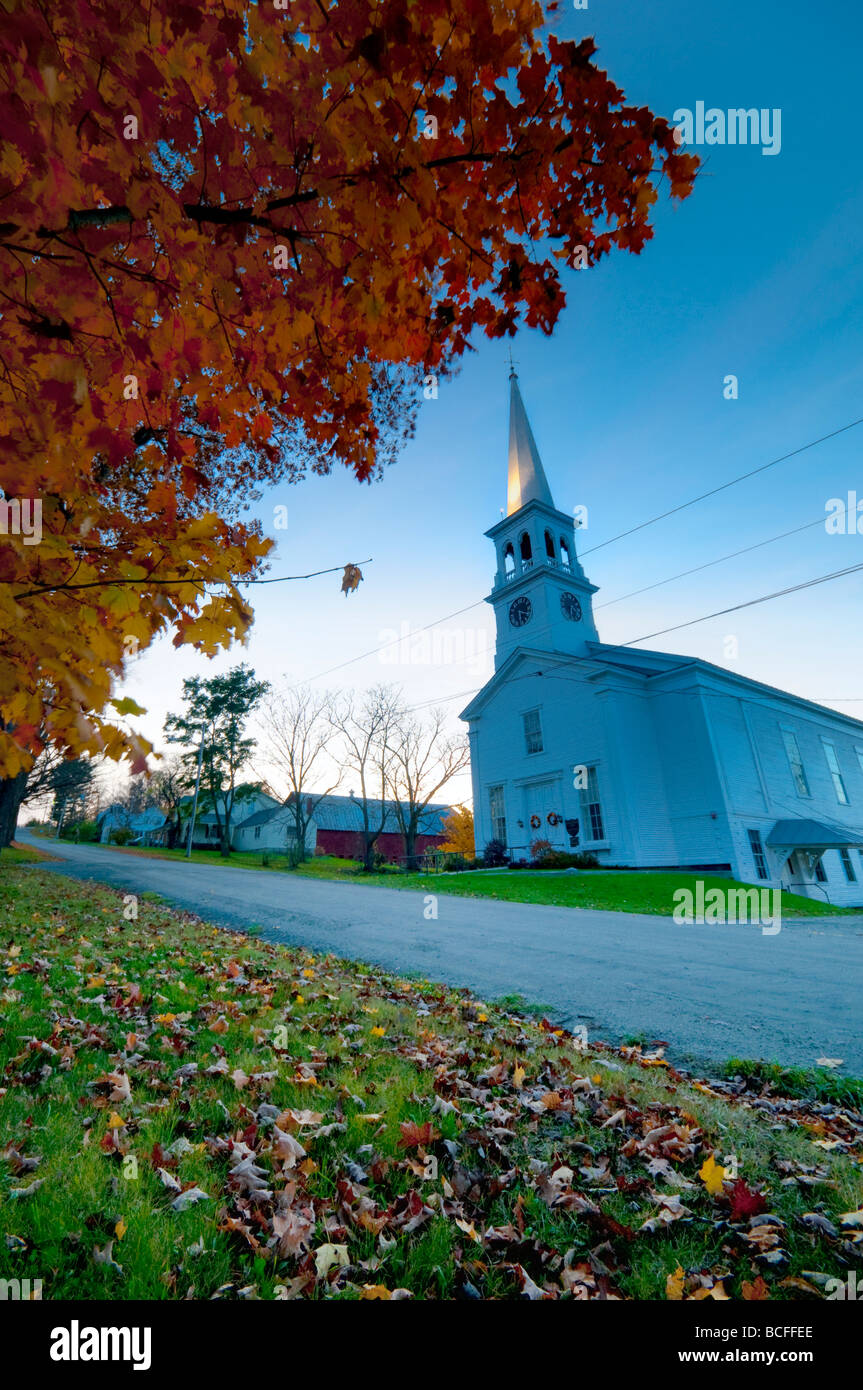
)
(249, 799)
(646, 759)
(339, 825)
(272, 828)
(145, 827)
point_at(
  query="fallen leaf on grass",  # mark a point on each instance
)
(328, 1255)
(712, 1175)
(189, 1198)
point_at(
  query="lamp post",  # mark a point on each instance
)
(195, 802)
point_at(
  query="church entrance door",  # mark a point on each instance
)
(541, 801)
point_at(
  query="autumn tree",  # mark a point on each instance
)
(424, 757)
(459, 831)
(217, 712)
(297, 736)
(363, 726)
(235, 242)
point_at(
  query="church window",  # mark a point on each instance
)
(498, 814)
(257, 832)
(591, 807)
(508, 559)
(859, 752)
(532, 731)
(549, 546)
(835, 773)
(758, 853)
(820, 872)
(564, 551)
(845, 856)
(795, 762)
(524, 547)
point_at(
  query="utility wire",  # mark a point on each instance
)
(200, 580)
(672, 511)
(750, 603)
(819, 521)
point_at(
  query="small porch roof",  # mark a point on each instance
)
(812, 834)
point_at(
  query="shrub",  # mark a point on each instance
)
(494, 856)
(540, 848)
(121, 835)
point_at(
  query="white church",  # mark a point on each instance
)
(642, 758)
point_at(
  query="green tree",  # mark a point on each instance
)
(217, 711)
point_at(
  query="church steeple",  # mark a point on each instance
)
(541, 596)
(526, 480)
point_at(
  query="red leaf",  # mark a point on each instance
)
(745, 1202)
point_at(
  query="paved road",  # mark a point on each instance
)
(711, 992)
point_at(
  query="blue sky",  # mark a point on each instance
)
(758, 274)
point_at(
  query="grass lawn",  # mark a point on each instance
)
(187, 1112)
(616, 892)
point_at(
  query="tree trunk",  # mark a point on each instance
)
(300, 849)
(410, 849)
(12, 791)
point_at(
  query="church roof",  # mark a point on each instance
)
(526, 480)
(650, 665)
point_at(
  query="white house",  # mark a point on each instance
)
(249, 799)
(273, 828)
(646, 759)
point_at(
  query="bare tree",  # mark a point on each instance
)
(423, 758)
(298, 730)
(169, 786)
(364, 727)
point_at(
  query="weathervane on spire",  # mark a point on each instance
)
(512, 371)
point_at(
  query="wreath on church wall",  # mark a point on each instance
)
(535, 822)
(553, 818)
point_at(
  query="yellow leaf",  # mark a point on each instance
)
(712, 1174)
(674, 1285)
(518, 1077)
(120, 1229)
(378, 1032)
(116, 1121)
(375, 1291)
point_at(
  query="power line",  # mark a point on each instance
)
(722, 486)
(414, 632)
(682, 575)
(750, 603)
(175, 579)
(697, 568)
(363, 656)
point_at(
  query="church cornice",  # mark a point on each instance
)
(506, 523)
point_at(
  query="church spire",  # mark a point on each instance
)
(526, 481)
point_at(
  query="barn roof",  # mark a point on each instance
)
(345, 813)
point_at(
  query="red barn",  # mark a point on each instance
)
(339, 824)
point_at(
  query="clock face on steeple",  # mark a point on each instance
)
(570, 607)
(520, 611)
